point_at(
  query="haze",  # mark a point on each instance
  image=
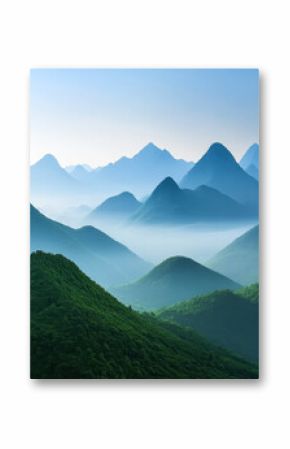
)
(96, 116)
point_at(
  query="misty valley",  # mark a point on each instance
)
(147, 267)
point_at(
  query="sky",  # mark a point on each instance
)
(96, 116)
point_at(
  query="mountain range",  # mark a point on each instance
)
(250, 161)
(140, 174)
(103, 259)
(169, 204)
(228, 319)
(218, 169)
(176, 279)
(79, 331)
(240, 259)
(197, 321)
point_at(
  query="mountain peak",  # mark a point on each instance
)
(217, 158)
(48, 160)
(120, 197)
(152, 150)
(178, 261)
(124, 203)
(175, 279)
(49, 156)
(251, 157)
(218, 152)
(168, 184)
(126, 194)
(149, 150)
(181, 264)
(219, 169)
(150, 147)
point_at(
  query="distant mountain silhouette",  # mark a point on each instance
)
(48, 174)
(226, 318)
(141, 173)
(250, 161)
(80, 173)
(218, 169)
(119, 206)
(79, 331)
(102, 258)
(168, 204)
(240, 259)
(51, 184)
(71, 168)
(251, 156)
(176, 279)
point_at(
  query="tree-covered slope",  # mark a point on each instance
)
(175, 279)
(229, 319)
(102, 258)
(78, 330)
(240, 259)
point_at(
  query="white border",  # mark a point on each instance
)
(144, 414)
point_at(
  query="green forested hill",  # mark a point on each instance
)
(175, 279)
(229, 319)
(78, 330)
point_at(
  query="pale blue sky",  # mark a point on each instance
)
(96, 116)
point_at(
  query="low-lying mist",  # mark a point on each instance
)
(155, 243)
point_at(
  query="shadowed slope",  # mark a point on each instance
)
(119, 206)
(78, 330)
(229, 319)
(102, 258)
(168, 204)
(218, 169)
(240, 259)
(250, 161)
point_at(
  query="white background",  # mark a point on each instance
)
(144, 414)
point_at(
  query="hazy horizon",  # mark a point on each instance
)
(96, 116)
